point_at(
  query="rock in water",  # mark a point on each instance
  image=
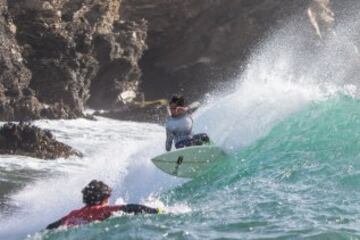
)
(28, 140)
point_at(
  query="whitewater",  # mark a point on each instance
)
(290, 123)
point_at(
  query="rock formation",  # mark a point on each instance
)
(15, 96)
(25, 139)
(59, 56)
(194, 45)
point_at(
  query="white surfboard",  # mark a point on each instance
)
(189, 162)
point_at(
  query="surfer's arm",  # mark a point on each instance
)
(60, 222)
(137, 208)
(188, 109)
(193, 107)
(169, 140)
(56, 224)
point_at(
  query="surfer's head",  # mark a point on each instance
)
(96, 192)
(175, 102)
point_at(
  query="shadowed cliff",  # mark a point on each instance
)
(60, 56)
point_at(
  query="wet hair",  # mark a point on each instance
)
(95, 193)
(178, 100)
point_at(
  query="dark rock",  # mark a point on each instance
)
(28, 140)
(14, 75)
(195, 44)
(63, 53)
(27, 92)
(118, 78)
(155, 112)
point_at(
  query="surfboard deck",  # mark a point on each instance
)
(189, 162)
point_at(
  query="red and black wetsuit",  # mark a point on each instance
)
(89, 214)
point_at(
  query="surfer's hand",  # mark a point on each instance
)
(160, 210)
(181, 110)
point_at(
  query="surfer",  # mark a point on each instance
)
(179, 125)
(96, 198)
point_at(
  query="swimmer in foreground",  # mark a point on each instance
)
(96, 198)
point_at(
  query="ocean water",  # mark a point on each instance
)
(290, 124)
(299, 181)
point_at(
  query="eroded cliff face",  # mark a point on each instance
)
(58, 56)
(68, 53)
(15, 96)
(194, 45)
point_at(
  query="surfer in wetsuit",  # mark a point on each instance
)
(179, 125)
(96, 198)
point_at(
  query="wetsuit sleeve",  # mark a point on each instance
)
(55, 224)
(59, 222)
(137, 208)
(193, 107)
(169, 140)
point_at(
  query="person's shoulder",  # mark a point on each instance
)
(74, 212)
(114, 208)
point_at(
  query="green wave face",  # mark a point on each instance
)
(301, 181)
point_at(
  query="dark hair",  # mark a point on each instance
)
(95, 192)
(178, 100)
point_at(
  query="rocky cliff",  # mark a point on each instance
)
(58, 56)
(195, 44)
(15, 96)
